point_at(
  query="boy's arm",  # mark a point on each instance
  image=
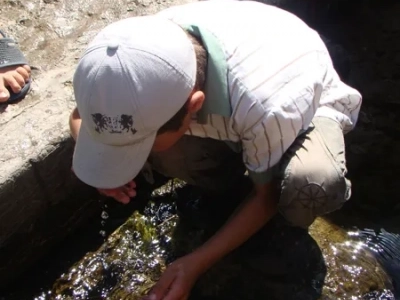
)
(252, 214)
(75, 123)
(248, 218)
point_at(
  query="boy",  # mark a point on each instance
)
(203, 92)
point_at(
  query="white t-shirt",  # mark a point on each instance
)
(279, 75)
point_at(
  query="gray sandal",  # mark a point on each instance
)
(11, 55)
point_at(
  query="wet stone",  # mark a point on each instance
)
(352, 270)
(279, 262)
(383, 295)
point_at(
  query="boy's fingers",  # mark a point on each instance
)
(161, 288)
(131, 184)
(130, 192)
(122, 194)
(122, 197)
(108, 193)
(129, 188)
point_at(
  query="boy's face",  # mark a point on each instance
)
(167, 139)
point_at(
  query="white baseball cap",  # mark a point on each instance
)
(135, 76)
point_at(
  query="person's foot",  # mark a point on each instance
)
(13, 78)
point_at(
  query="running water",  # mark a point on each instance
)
(132, 258)
(104, 216)
(386, 248)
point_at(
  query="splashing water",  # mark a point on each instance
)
(386, 248)
(129, 262)
(104, 216)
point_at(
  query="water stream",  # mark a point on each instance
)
(279, 263)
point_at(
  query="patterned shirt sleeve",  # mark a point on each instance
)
(284, 108)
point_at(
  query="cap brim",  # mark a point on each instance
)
(104, 166)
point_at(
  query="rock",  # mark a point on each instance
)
(352, 270)
(280, 262)
(40, 200)
(386, 249)
(128, 263)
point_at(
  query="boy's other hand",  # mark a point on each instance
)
(122, 194)
(177, 280)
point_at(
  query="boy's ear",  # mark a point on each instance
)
(196, 101)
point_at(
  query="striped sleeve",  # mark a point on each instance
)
(271, 124)
(339, 101)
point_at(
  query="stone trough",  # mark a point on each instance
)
(40, 199)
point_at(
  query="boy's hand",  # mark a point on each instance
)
(177, 280)
(122, 194)
(14, 77)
